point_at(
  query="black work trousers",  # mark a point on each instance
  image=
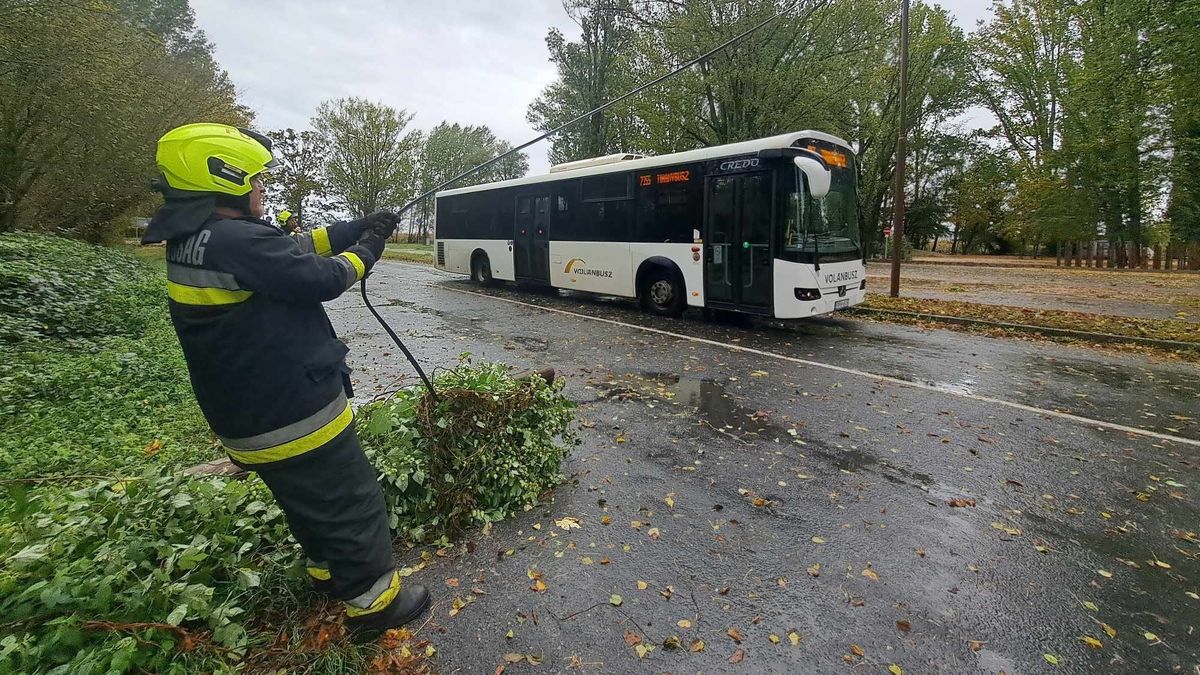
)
(335, 509)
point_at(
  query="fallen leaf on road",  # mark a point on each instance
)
(1104, 573)
(814, 570)
(697, 645)
(920, 553)
(818, 540)
(758, 373)
(737, 657)
(1109, 630)
(538, 585)
(857, 651)
(960, 502)
(533, 659)
(670, 499)
(794, 638)
(903, 626)
(1091, 641)
(632, 639)
(510, 634)
(870, 574)
(735, 634)
(567, 523)
(975, 645)
(1150, 636)
(895, 669)
(513, 657)
(643, 650)
(1088, 604)
(775, 639)
(1051, 659)
(667, 592)
(683, 623)
(672, 643)
(642, 585)
(653, 532)
(614, 600)
(606, 519)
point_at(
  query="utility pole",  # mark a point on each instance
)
(901, 141)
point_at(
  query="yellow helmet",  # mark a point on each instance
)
(284, 216)
(208, 157)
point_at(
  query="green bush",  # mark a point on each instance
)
(488, 449)
(93, 380)
(155, 549)
(58, 288)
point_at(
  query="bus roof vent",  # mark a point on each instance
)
(594, 161)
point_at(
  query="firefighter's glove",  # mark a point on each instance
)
(381, 222)
(373, 242)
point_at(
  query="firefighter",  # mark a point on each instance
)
(266, 367)
(288, 221)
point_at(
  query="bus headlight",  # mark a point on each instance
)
(808, 294)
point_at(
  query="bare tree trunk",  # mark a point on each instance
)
(1058, 254)
(1079, 254)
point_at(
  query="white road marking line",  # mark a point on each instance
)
(1098, 424)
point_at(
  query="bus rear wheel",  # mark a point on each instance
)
(662, 293)
(481, 270)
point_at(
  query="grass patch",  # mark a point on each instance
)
(415, 253)
(1158, 329)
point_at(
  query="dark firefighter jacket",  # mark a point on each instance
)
(245, 298)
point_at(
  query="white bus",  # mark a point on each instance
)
(767, 227)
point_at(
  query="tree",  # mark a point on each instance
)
(372, 157)
(1177, 34)
(590, 73)
(450, 149)
(86, 89)
(299, 184)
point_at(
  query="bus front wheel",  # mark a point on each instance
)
(481, 270)
(663, 293)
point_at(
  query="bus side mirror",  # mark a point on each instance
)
(816, 173)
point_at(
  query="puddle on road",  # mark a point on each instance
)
(715, 408)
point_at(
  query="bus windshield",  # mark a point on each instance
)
(827, 227)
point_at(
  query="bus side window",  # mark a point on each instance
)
(669, 213)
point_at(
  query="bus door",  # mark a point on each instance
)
(737, 238)
(531, 240)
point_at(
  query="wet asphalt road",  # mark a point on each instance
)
(720, 478)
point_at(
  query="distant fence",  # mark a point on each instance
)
(1126, 255)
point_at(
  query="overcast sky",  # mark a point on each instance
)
(466, 61)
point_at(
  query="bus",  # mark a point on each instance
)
(766, 227)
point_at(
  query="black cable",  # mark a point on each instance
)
(548, 134)
(362, 287)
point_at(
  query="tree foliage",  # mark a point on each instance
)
(299, 184)
(1096, 130)
(451, 149)
(86, 89)
(372, 154)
